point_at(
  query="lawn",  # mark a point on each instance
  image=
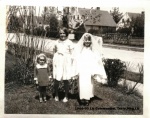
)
(23, 99)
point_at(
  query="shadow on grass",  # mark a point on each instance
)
(71, 96)
(47, 97)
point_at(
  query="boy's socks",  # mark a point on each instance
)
(56, 98)
(45, 99)
(41, 100)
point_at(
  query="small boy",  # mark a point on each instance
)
(42, 75)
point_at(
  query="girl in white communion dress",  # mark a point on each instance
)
(87, 65)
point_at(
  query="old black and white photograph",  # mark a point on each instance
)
(78, 60)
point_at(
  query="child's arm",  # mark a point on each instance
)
(35, 75)
(49, 72)
(54, 48)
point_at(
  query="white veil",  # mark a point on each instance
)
(96, 48)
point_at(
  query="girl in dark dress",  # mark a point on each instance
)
(42, 75)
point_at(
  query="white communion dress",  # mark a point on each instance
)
(88, 63)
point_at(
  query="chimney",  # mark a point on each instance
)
(142, 13)
(97, 8)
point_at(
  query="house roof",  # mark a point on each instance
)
(133, 15)
(97, 17)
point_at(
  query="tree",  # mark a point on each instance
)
(47, 13)
(14, 24)
(65, 21)
(13, 21)
(116, 14)
(138, 25)
(65, 18)
(54, 25)
(50, 18)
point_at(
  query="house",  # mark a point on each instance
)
(97, 19)
(125, 21)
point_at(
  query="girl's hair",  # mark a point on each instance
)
(65, 30)
(88, 37)
(38, 58)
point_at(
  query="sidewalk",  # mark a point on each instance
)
(123, 47)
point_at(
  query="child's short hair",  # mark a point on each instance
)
(39, 56)
(88, 37)
(65, 30)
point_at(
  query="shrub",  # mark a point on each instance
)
(125, 30)
(19, 73)
(114, 70)
(93, 31)
(39, 31)
(27, 31)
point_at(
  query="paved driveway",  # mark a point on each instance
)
(133, 58)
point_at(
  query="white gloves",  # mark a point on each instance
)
(100, 79)
(36, 81)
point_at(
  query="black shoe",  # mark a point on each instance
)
(86, 102)
(82, 102)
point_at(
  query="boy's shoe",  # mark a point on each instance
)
(56, 99)
(65, 100)
(87, 103)
(41, 100)
(45, 99)
(82, 102)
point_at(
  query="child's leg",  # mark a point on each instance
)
(44, 93)
(66, 86)
(56, 85)
(40, 94)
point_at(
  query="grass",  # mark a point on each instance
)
(23, 99)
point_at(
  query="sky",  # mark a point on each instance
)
(125, 9)
(121, 9)
(136, 6)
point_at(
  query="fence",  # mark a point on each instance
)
(121, 38)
